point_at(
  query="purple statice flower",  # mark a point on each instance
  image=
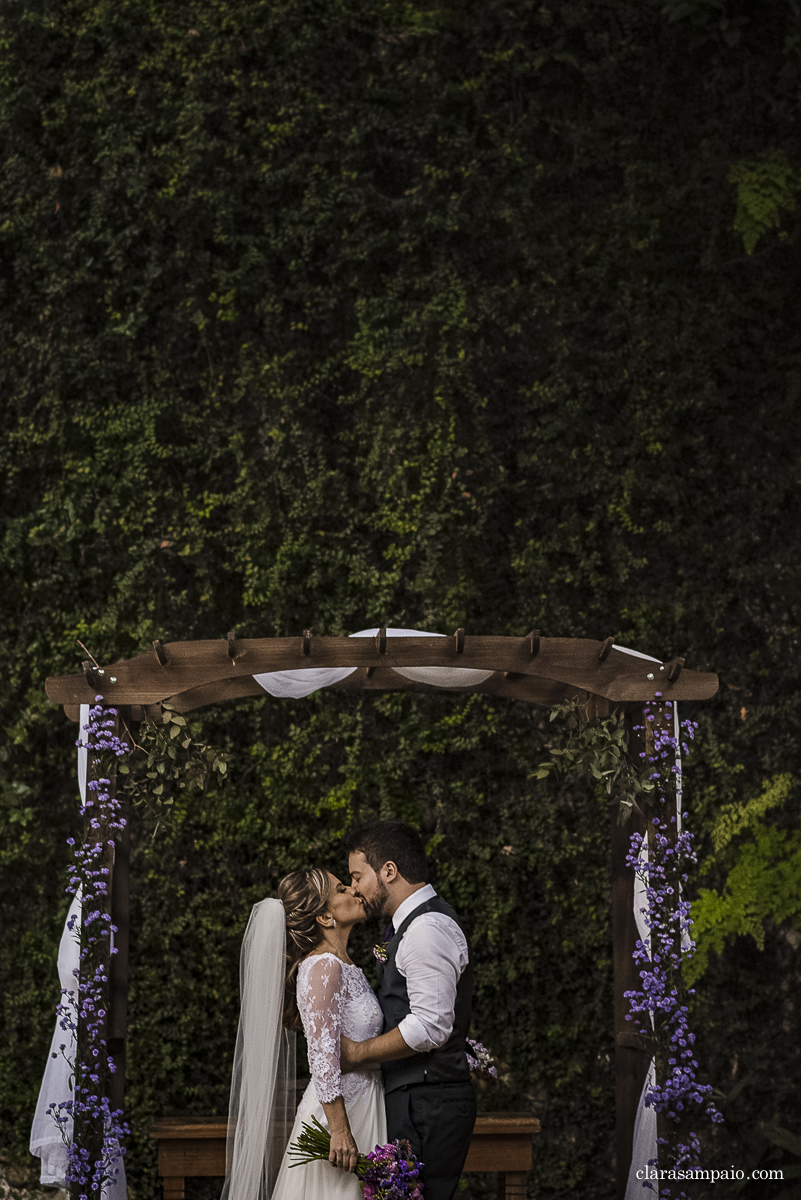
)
(391, 1172)
(480, 1061)
(88, 1106)
(655, 1007)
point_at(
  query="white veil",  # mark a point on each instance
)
(261, 1111)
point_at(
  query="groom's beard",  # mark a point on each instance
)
(376, 906)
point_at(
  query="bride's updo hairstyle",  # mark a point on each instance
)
(304, 895)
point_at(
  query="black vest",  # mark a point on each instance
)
(448, 1063)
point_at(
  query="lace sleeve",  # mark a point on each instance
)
(322, 1022)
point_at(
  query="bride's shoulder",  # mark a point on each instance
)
(320, 956)
(329, 964)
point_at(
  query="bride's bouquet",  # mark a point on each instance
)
(389, 1172)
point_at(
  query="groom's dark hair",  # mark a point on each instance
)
(392, 841)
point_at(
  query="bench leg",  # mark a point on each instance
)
(173, 1187)
(514, 1185)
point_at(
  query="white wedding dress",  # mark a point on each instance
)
(334, 998)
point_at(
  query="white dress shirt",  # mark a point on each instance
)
(431, 957)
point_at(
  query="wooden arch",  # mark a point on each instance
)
(536, 670)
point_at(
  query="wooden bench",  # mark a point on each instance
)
(192, 1146)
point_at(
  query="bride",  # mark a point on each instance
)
(295, 972)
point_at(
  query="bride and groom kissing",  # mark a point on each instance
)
(384, 1065)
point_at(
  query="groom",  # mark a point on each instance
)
(425, 991)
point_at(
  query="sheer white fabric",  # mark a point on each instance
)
(320, 1006)
(644, 1147)
(262, 1101)
(295, 685)
(46, 1141)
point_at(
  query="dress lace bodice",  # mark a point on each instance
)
(334, 998)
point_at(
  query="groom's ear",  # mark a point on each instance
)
(390, 871)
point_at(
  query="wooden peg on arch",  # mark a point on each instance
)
(305, 642)
(674, 669)
(161, 654)
(458, 640)
(381, 640)
(232, 645)
(90, 675)
(603, 653)
(533, 640)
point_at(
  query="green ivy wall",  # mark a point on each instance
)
(333, 315)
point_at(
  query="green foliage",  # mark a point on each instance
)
(736, 819)
(598, 750)
(766, 188)
(331, 316)
(164, 760)
(765, 1145)
(778, 1135)
(763, 881)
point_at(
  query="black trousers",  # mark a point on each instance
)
(437, 1120)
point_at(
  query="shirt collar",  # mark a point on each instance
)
(410, 904)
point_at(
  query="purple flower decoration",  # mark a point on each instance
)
(480, 1061)
(679, 1096)
(88, 1106)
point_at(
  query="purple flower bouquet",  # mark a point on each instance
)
(389, 1172)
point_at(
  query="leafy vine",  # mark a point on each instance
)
(598, 749)
(165, 759)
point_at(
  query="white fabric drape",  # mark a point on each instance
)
(46, 1140)
(47, 1143)
(644, 1145)
(295, 685)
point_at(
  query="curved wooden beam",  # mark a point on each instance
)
(190, 674)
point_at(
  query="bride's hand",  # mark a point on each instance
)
(348, 1057)
(344, 1152)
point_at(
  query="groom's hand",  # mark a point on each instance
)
(385, 1048)
(349, 1059)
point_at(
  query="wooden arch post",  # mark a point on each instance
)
(544, 671)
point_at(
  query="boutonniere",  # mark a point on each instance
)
(380, 948)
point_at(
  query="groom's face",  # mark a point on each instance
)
(368, 886)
